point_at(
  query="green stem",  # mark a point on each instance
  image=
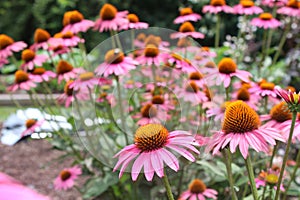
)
(227, 93)
(286, 154)
(293, 175)
(180, 181)
(153, 74)
(251, 177)
(227, 160)
(217, 38)
(273, 154)
(51, 59)
(121, 109)
(168, 187)
(265, 104)
(281, 43)
(264, 192)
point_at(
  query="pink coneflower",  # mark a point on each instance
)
(292, 8)
(59, 50)
(263, 89)
(66, 178)
(198, 78)
(110, 19)
(150, 114)
(217, 112)
(272, 3)
(74, 22)
(268, 178)
(290, 97)
(69, 39)
(228, 69)
(22, 81)
(151, 148)
(244, 95)
(40, 74)
(191, 93)
(187, 30)
(266, 21)
(286, 126)
(152, 56)
(206, 52)
(131, 84)
(86, 80)
(162, 102)
(181, 63)
(133, 23)
(65, 71)
(187, 14)
(246, 7)
(241, 127)
(116, 63)
(110, 98)
(217, 6)
(278, 114)
(12, 189)
(8, 46)
(198, 190)
(31, 125)
(69, 95)
(42, 39)
(31, 59)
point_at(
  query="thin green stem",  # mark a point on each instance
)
(180, 181)
(168, 187)
(227, 93)
(217, 38)
(293, 175)
(251, 177)
(153, 74)
(227, 160)
(286, 154)
(273, 154)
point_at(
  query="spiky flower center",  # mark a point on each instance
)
(240, 118)
(38, 71)
(192, 87)
(151, 51)
(184, 42)
(68, 91)
(114, 56)
(266, 16)
(65, 175)
(210, 64)
(5, 41)
(21, 76)
(294, 4)
(246, 85)
(151, 137)
(28, 55)
(86, 76)
(218, 2)
(29, 123)
(280, 112)
(75, 17)
(157, 99)
(247, 3)
(108, 12)
(267, 86)
(243, 94)
(149, 111)
(186, 27)
(41, 35)
(272, 179)
(63, 67)
(227, 66)
(133, 18)
(152, 39)
(197, 186)
(196, 76)
(186, 11)
(67, 35)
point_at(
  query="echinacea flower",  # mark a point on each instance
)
(152, 56)
(198, 190)
(116, 63)
(292, 9)
(133, 23)
(198, 78)
(241, 127)
(187, 30)
(65, 71)
(266, 21)
(187, 14)
(74, 22)
(264, 89)
(286, 126)
(69, 39)
(150, 114)
(181, 63)
(31, 59)
(217, 6)
(66, 178)
(272, 3)
(227, 69)
(268, 178)
(151, 150)
(40, 74)
(31, 125)
(247, 7)
(8, 46)
(43, 39)
(22, 81)
(191, 93)
(291, 98)
(86, 80)
(244, 95)
(110, 19)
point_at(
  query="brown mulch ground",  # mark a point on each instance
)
(33, 163)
